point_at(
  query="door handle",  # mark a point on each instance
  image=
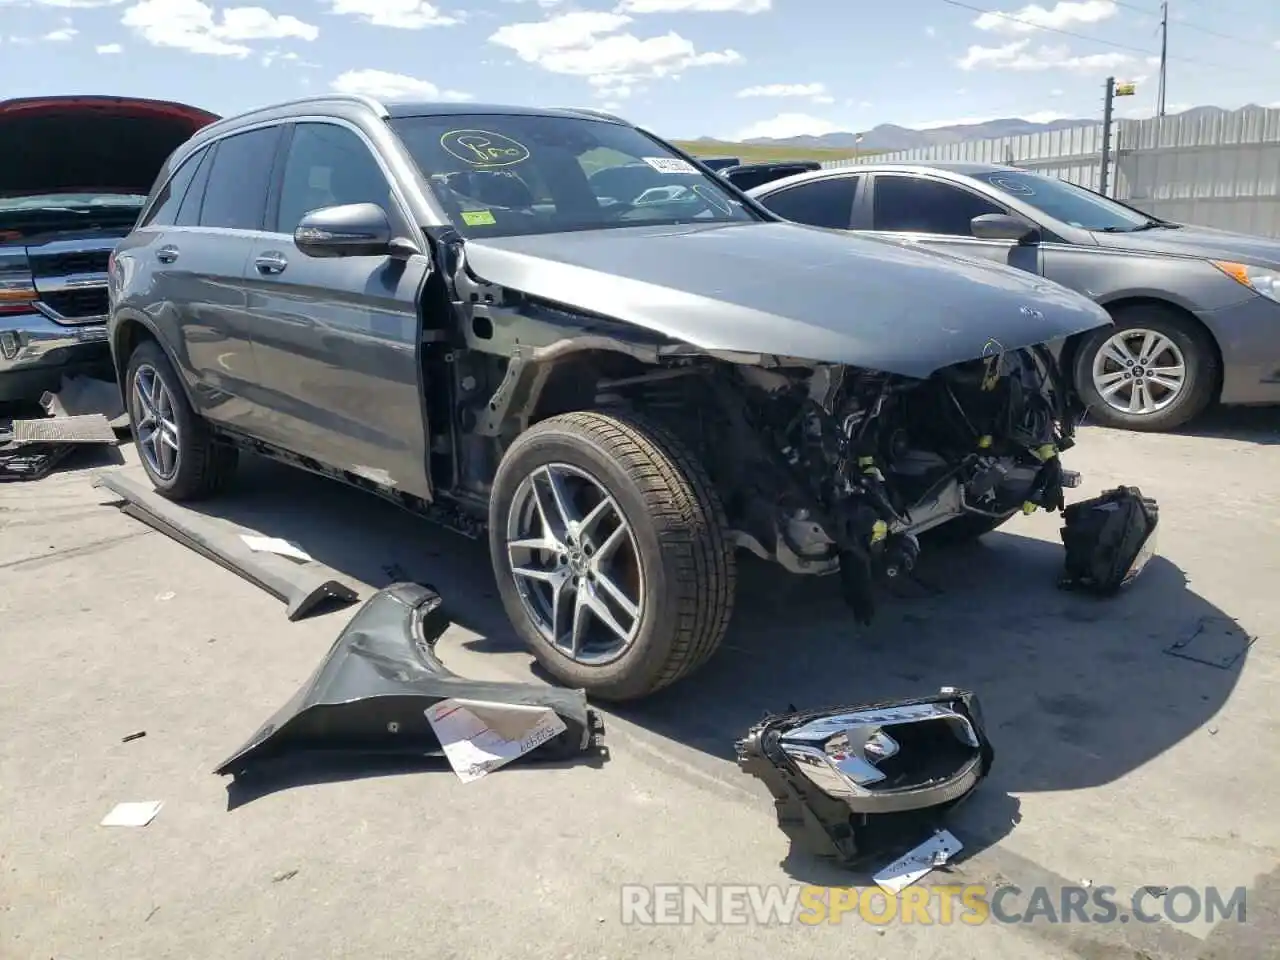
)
(167, 254)
(271, 263)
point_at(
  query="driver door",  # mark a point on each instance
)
(337, 338)
(934, 213)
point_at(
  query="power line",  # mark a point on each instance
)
(1085, 37)
(1184, 25)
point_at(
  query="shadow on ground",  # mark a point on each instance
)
(1077, 692)
(1259, 425)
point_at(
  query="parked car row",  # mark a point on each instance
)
(553, 329)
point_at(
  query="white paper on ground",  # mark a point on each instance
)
(132, 814)
(934, 852)
(276, 545)
(479, 736)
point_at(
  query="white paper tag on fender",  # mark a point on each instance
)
(478, 736)
(670, 165)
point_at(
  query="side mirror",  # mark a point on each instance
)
(1004, 226)
(350, 230)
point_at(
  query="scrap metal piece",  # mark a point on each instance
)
(832, 772)
(304, 588)
(1216, 641)
(89, 428)
(1109, 540)
(372, 692)
(32, 461)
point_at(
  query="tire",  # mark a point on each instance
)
(681, 568)
(201, 467)
(963, 529)
(1184, 336)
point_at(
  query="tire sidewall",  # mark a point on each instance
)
(1197, 356)
(659, 620)
(149, 354)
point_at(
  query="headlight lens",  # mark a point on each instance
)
(1263, 280)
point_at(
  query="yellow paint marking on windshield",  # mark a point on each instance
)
(483, 148)
(478, 218)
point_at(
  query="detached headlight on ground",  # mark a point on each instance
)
(1263, 280)
(832, 771)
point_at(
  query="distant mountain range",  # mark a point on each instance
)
(889, 136)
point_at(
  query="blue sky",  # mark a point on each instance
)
(686, 68)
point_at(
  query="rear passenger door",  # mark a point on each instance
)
(826, 202)
(936, 213)
(337, 338)
(218, 222)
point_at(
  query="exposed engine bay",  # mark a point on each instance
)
(835, 469)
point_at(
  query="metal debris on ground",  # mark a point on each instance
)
(304, 587)
(1216, 641)
(80, 395)
(907, 869)
(92, 428)
(31, 449)
(136, 814)
(134, 736)
(375, 691)
(30, 462)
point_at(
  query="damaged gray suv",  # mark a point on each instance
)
(553, 329)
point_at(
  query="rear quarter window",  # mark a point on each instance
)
(236, 195)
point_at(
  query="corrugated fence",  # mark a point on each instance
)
(1219, 171)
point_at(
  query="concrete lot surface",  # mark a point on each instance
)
(1117, 764)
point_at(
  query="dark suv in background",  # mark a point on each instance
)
(556, 327)
(74, 173)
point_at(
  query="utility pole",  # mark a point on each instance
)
(1108, 98)
(1164, 55)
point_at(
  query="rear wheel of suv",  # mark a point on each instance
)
(1153, 370)
(608, 544)
(177, 448)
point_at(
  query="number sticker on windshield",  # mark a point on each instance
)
(670, 165)
(478, 218)
(482, 148)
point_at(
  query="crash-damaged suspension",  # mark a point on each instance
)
(885, 457)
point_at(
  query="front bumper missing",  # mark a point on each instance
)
(372, 691)
(832, 772)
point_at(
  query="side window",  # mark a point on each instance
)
(822, 203)
(189, 212)
(914, 205)
(164, 211)
(328, 166)
(236, 195)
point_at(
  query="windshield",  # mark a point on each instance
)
(506, 175)
(1066, 202)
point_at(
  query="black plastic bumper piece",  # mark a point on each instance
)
(304, 588)
(914, 770)
(371, 692)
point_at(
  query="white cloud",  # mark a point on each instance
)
(1056, 93)
(695, 6)
(1064, 14)
(403, 14)
(588, 44)
(1016, 56)
(786, 125)
(393, 86)
(930, 31)
(192, 25)
(63, 4)
(109, 48)
(61, 36)
(816, 92)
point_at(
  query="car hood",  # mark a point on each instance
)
(1189, 241)
(89, 144)
(790, 290)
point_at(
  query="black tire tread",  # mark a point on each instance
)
(689, 518)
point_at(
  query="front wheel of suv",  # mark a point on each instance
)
(177, 449)
(608, 544)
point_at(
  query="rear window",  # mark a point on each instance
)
(505, 174)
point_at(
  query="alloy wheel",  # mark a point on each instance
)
(576, 564)
(1139, 371)
(155, 422)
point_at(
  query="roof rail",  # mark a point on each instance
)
(357, 98)
(592, 112)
